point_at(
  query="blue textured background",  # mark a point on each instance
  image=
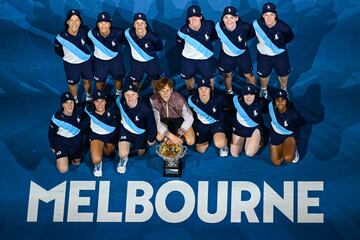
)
(324, 85)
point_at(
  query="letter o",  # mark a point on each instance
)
(189, 203)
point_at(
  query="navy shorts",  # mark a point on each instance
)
(206, 68)
(281, 64)
(245, 132)
(113, 66)
(228, 64)
(70, 148)
(138, 141)
(152, 68)
(74, 72)
(277, 139)
(107, 138)
(205, 132)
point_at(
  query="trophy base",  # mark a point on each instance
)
(172, 171)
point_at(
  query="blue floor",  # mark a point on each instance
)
(324, 85)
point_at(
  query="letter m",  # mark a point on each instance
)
(38, 193)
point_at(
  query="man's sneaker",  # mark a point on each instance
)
(264, 93)
(121, 167)
(224, 151)
(297, 157)
(98, 170)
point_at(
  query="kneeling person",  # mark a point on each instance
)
(209, 121)
(104, 119)
(138, 127)
(64, 135)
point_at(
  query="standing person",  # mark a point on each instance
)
(196, 37)
(172, 114)
(144, 45)
(104, 119)
(107, 39)
(138, 127)
(234, 53)
(72, 45)
(285, 127)
(64, 133)
(249, 132)
(209, 121)
(273, 35)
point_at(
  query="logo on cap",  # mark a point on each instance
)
(268, 7)
(67, 95)
(139, 15)
(103, 16)
(99, 94)
(203, 81)
(130, 87)
(229, 10)
(194, 10)
(248, 88)
(72, 11)
(280, 93)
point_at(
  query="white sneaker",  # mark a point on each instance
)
(264, 93)
(98, 170)
(88, 98)
(230, 92)
(297, 157)
(121, 167)
(224, 151)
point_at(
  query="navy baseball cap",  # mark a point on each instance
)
(269, 7)
(103, 17)
(192, 11)
(98, 94)
(249, 89)
(138, 16)
(130, 87)
(230, 10)
(66, 96)
(204, 83)
(281, 93)
(72, 12)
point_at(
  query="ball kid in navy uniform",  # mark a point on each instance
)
(107, 39)
(234, 53)
(138, 127)
(104, 118)
(285, 126)
(249, 132)
(64, 134)
(72, 45)
(196, 38)
(144, 45)
(273, 35)
(209, 123)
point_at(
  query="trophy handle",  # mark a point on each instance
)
(183, 151)
(157, 148)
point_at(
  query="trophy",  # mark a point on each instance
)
(172, 154)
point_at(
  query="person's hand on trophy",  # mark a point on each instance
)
(173, 139)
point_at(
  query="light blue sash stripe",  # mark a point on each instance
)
(204, 115)
(225, 40)
(127, 119)
(136, 47)
(73, 48)
(275, 122)
(242, 113)
(101, 46)
(67, 126)
(267, 40)
(196, 44)
(102, 125)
